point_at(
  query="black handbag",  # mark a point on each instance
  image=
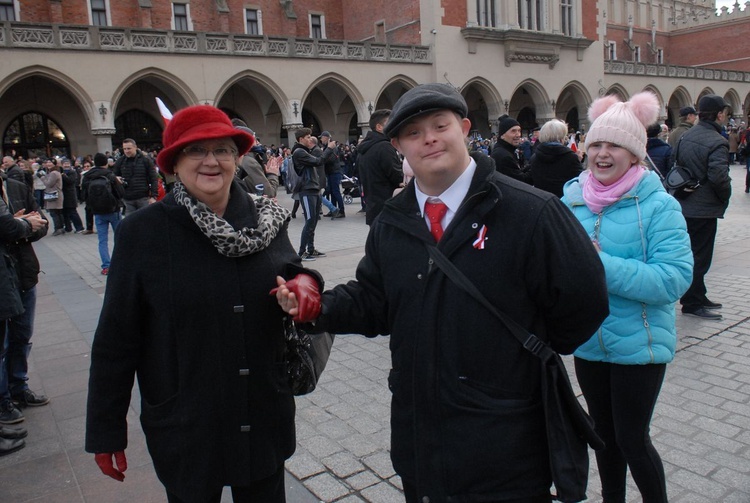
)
(680, 181)
(306, 355)
(570, 430)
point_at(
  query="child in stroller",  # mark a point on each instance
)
(350, 186)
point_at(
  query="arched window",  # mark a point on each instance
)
(139, 126)
(33, 134)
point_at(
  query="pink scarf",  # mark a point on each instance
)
(598, 196)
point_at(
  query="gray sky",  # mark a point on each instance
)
(729, 3)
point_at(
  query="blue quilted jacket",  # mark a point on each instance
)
(648, 264)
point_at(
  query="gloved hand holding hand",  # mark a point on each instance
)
(104, 460)
(299, 297)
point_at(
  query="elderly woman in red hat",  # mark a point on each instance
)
(187, 310)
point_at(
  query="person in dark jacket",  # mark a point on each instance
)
(70, 180)
(308, 189)
(379, 166)
(705, 152)
(138, 175)
(16, 172)
(20, 225)
(104, 215)
(466, 416)
(688, 118)
(505, 154)
(187, 309)
(658, 150)
(553, 163)
(333, 174)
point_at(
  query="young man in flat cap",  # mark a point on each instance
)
(466, 416)
(705, 152)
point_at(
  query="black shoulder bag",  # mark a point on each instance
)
(306, 356)
(569, 428)
(680, 181)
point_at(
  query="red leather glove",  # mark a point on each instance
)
(305, 290)
(104, 460)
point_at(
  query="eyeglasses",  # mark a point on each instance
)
(198, 153)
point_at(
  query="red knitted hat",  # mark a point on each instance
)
(196, 123)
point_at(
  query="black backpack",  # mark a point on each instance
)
(100, 196)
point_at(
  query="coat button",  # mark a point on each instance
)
(425, 499)
(245, 428)
(244, 372)
(419, 276)
(474, 225)
(239, 309)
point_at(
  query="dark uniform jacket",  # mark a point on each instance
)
(705, 152)
(205, 339)
(466, 417)
(379, 171)
(552, 165)
(27, 264)
(507, 161)
(306, 166)
(70, 180)
(139, 175)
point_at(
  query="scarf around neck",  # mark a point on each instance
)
(598, 196)
(228, 241)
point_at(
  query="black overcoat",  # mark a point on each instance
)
(205, 339)
(466, 416)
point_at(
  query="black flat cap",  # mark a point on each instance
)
(421, 100)
(712, 103)
(685, 111)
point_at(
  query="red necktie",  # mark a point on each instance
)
(435, 212)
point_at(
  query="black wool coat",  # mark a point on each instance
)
(552, 165)
(204, 338)
(379, 171)
(466, 416)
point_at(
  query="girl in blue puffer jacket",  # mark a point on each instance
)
(642, 240)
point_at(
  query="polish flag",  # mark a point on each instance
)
(572, 144)
(164, 111)
(481, 237)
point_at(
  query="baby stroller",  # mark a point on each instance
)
(350, 188)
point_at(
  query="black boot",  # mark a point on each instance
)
(8, 445)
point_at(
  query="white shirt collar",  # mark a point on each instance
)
(453, 195)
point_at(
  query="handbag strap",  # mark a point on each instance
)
(529, 341)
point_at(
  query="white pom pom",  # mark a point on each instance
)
(599, 106)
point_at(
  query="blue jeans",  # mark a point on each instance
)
(103, 222)
(14, 355)
(309, 203)
(334, 185)
(328, 204)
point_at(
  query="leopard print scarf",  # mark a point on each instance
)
(228, 241)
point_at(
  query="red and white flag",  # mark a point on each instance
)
(164, 111)
(481, 236)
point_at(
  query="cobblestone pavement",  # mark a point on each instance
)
(701, 425)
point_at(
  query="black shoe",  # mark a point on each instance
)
(711, 305)
(329, 214)
(28, 398)
(306, 257)
(9, 445)
(747, 190)
(362, 211)
(294, 215)
(317, 253)
(339, 215)
(12, 432)
(702, 312)
(9, 414)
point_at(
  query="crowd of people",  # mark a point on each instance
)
(574, 234)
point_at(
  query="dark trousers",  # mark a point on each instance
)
(57, 219)
(410, 493)
(268, 490)
(702, 233)
(310, 204)
(89, 219)
(621, 400)
(15, 350)
(72, 219)
(334, 187)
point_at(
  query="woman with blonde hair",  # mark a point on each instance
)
(553, 163)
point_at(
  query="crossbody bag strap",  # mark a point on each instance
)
(528, 340)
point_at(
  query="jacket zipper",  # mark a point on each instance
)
(595, 239)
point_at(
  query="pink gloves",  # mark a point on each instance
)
(104, 460)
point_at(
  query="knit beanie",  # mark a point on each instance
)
(504, 123)
(623, 124)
